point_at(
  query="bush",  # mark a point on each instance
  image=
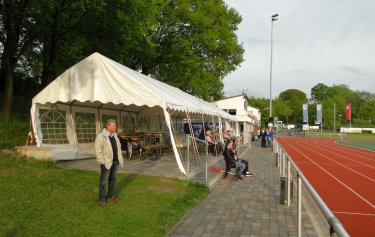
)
(13, 132)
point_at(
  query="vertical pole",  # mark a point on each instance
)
(188, 156)
(288, 184)
(350, 105)
(321, 127)
(206, 172)
(334, 117)
(299, 206)
(285, 158)
(271, 69)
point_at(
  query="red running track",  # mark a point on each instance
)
(344, 178)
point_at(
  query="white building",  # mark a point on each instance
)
(248, 117)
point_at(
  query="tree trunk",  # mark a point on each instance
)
(8, 64)
(50, 51)
(12, 17)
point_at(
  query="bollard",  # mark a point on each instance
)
(283, 190)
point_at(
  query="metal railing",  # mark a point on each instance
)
(285, 162)
(200, 165)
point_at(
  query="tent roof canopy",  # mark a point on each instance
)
(98, 81)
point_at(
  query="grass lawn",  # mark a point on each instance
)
(37, 198)
(363, 144)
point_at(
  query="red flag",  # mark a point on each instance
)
(348, 111)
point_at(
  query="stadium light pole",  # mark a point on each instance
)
(273, 18)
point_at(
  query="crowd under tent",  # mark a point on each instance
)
(69, 113)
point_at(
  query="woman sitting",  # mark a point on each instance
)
(211, 142)
(242, 165)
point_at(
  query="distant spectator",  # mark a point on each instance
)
(264, 135)
(270, 137)
(219, 145)
(211, 142)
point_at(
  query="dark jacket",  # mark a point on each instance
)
(229, 154)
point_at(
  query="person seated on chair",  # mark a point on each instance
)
(225, 137)
(230, 153)
(219, 144)
(211, 142)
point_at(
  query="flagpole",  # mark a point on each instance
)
(350, 106)
(334, 117)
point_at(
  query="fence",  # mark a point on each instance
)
(201, 165)
(285, 163)
(311, 134)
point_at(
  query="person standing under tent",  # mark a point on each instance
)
(109, 156)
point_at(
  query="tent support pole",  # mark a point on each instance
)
(177, 155)
(74, 130)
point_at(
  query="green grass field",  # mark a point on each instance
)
(360, 143)
(358, 140)
(37, 198)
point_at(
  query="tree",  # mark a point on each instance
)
(194, 46)
(282, 110)
(262, 105)
(320, 92)
(13, 21)
(294, 99)
(190, 44)
(367, 111)
(350, 97)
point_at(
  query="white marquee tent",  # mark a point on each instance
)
(98, 86)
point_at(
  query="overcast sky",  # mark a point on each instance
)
(315, 41)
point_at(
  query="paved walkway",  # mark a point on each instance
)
(233, 208)
(250, 207)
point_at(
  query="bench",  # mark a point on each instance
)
(228, 165)
(155, 148)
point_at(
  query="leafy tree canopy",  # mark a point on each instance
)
(320, 92)
(190, 44)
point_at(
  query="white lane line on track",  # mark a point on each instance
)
(322, 155)
(342, 183)
(353, 213)
(340, 150)
(326, 163)
(345, 157)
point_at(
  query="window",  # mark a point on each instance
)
(144, 124)
(232, 112)
(85, 127)
(53, 126)
(129, 123)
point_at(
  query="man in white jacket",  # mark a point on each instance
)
(108, 154)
